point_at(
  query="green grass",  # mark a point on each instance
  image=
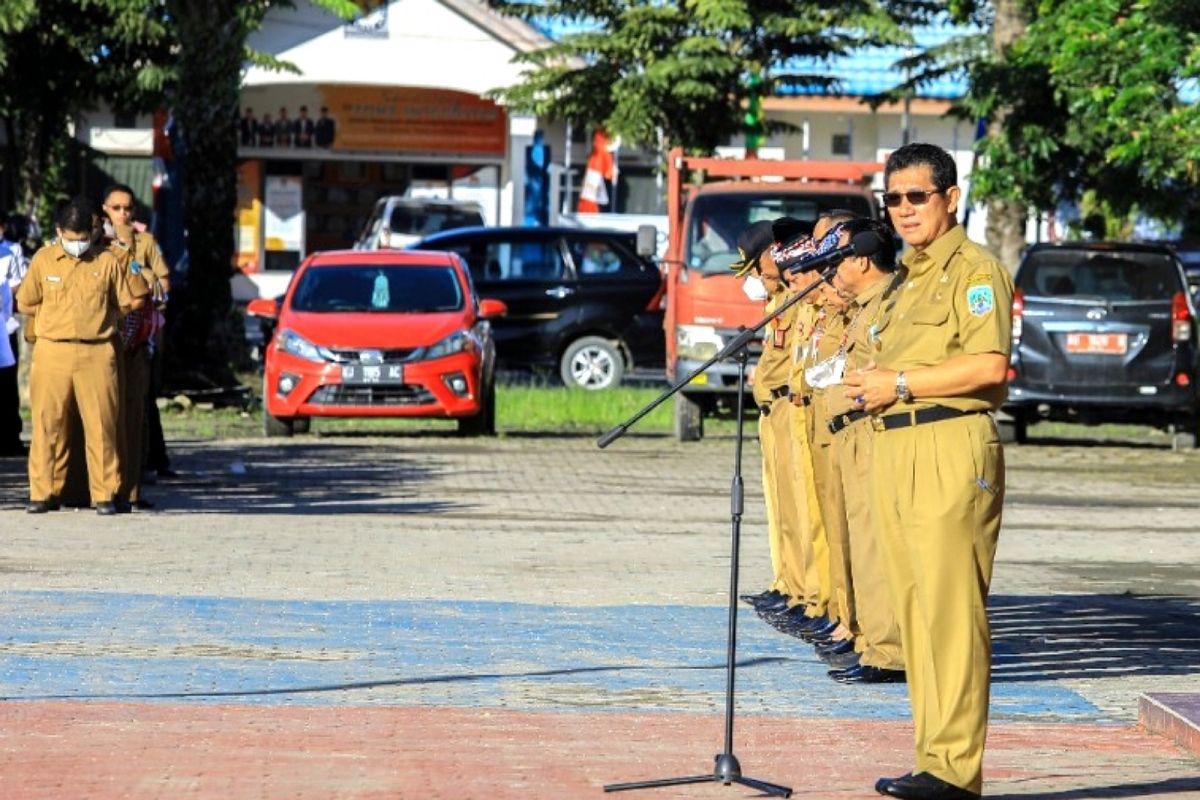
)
(520, 408)
(538, 407)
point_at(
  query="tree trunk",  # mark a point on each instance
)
(1005, 218)
(212, 47)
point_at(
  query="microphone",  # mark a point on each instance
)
(866, 243)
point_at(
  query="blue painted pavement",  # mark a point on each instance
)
(91, 645)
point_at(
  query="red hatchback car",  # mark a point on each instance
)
(379, 334)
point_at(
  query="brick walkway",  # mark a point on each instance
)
(419, 617)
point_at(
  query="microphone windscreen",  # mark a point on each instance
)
(866, 243)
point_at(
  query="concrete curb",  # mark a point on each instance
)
(1173, 715)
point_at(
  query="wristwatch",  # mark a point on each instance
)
(902, 392)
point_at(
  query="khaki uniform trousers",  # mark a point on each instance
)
(135, 383)
(828, 481)
(939, 490)
(814, 550)
(783, 515)
(872, 600)
(74, 375)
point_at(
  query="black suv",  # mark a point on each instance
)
(1103, 332)
(580, 301)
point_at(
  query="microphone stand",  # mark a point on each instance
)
(727, 769)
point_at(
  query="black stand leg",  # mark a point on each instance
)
(727, 769)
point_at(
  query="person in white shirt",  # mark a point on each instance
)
(13, 265)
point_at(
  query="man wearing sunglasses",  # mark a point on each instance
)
(940, 363)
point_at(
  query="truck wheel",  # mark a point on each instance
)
(302, 424)
(591, 362)
(1186, 436)
(689, 419)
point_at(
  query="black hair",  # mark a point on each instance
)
(920, 154)
(836, 216)
(885, 257)
(118, 187)
(77, 215)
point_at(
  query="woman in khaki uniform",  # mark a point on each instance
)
(77, 292)
(942, 358)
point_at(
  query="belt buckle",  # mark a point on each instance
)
(877, 423)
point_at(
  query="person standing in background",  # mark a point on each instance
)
(12, 269)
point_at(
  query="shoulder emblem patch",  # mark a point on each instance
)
(981, 300)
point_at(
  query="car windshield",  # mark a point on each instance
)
(378, 288)
(716, 220)
(1113, 276)
(424, 220)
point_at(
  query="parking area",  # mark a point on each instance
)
(424, 616)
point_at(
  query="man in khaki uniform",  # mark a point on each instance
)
(938, 473)
(762, 282)
(119, 207)
(77, 293)
(868, 280)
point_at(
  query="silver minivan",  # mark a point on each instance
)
(396, 222)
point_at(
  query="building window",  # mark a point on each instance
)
(840, 145)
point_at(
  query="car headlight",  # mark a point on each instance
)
(454, 343)
(697, 342)
(297, 345)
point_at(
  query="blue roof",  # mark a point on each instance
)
(862, 73)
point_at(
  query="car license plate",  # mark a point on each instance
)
(372, 373)
(1113, 344)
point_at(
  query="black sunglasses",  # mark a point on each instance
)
(916, 197)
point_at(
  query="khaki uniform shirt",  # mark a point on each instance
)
(832, 338)
(866, 312)
(808, 316)
(77, 299)
(148, 254)
(774, 365)
(955, 300)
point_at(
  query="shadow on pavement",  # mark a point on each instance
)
(1147, 789)
(275, 478)
(1062, 637)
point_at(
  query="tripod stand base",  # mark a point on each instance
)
(727, 771)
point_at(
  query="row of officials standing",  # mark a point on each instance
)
(883, 471)
(93, 298)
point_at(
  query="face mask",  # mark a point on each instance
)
(827, 373)
(75, 249)
(754, 288)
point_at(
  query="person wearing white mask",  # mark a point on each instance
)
(77, 293)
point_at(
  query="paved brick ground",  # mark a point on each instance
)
(426, 617)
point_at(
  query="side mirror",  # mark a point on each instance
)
(647, 240)
(489, 308)
(266, 307)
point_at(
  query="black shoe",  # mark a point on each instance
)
(924, 786)
(835, 648)
(37, 507)
(820, 635)
(865, 674)
(842, 662)
(167, 472)
(756, 600)
(773, 605)
(882, 784)
(142, 504)
(105, 509)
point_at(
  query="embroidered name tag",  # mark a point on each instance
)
(53, 279)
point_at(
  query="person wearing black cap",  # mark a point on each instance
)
(769, 387)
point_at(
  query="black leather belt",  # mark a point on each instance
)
(921, 417)
(780, 391)
(843, 420)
